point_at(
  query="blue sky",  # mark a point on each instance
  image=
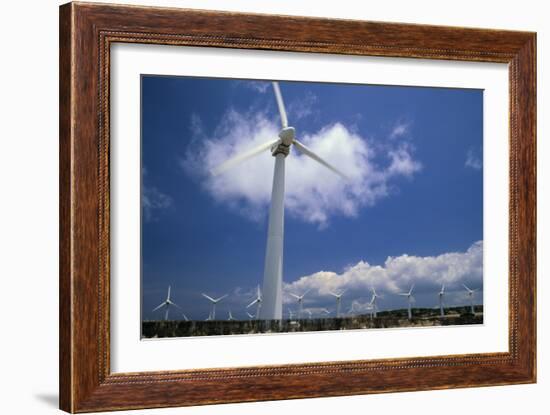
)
(412, 211)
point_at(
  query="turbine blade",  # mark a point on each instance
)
(221, 298)
(295, 296)
(226, 165)
(280, 104)
(464, 285)
(168, 297)
(304, 150)
(159, 306)
(208, 297)
(174, 304)
(252, 303)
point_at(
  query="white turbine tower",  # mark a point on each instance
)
(258, 302)
(272, 307)
(441, 294)
(471, 297)
(374, 302)
(410, 299)
(300, 299)
(290, 314)
(338, 301)
(214, 301)
(166, 303)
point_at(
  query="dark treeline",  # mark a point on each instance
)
(422, 317)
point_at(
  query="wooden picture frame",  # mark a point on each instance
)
(86, 33)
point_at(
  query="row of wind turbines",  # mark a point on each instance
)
(372, 305)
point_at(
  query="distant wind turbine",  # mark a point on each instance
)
(272, 308)
(308, 311)
(441, 294)
(410, 300)
(374, 302)
(214, 301)
(250, 316)
(338, 301)
(184, 317)
(300, 299)
(471, 297)
(258, 302)
(230, 316)
(166, 303)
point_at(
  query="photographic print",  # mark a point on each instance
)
(284, 207)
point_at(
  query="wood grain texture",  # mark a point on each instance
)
(86, 33)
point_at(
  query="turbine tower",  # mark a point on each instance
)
(338, 301)
(300, 299)
(410, 299)
(471, 297)
(166, 303)
(374, 302)
(272, 307)
(214, 301)
(258, 302)
(441, 294)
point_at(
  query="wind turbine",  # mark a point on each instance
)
(410, 299)
(338, 301)
(300, 299)
(272, 307)
(374, 302)
(214, 301)
(166, 303)
(290, 314)
(258, 302)
(471, 296)
(441, 294)
(184, 317)
(250, 316)
(308, 311)
(230, 316)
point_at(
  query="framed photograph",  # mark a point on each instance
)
(258, 207)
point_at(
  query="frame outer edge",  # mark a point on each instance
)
(66, 120)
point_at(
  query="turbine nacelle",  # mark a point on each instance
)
(287, 135)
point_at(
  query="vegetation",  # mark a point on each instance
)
(422, 317)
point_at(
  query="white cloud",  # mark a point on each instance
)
(399, 130)
(396, 275)
(313, 193)
(473, 160)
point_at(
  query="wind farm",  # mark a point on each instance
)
(284, 207)
(315, 318)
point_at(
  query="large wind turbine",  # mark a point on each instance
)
(258, 302)
(214, 301)
(272, 306)
(166, 303)
(410, 299)
(338, 301)
(441, 294)
(471, 297)
(300, 299)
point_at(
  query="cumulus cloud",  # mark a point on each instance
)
(473, 160)
(313, 193)
(396, 275)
